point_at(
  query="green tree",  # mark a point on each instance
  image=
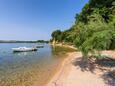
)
(56, 35)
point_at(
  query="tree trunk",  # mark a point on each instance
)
(54, 41)
(85, 57)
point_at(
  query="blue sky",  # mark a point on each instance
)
(36, 19)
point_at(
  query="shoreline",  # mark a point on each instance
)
(60, 72)
(58, 68)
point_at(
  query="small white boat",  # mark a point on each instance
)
(39, 46)
(23, 49)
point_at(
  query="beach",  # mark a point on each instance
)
(57, 43)
(71, 74)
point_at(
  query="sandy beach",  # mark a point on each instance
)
(71, 74)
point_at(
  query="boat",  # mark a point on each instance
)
(24, 49)
(39, 46)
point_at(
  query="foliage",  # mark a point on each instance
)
(95, 36)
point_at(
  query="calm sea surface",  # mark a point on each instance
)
(24, 68)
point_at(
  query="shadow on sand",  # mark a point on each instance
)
(106, 65)
(109, 78)
(109, 75)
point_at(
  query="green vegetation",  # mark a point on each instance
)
(94, 28)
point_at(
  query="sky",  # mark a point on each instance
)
(36, 19)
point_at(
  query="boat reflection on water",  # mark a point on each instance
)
(24, 53)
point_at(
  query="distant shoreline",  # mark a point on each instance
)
(15, 41)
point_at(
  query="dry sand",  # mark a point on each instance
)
(72, 75)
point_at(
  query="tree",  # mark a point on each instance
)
(56, 35)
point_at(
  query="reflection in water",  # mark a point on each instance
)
(23, 68)
(24, 53)
(56, 50)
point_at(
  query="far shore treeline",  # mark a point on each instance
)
(93, 30)
(16, 41)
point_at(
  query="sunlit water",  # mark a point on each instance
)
(24, 68)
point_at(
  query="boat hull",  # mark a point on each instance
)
(24, 50)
